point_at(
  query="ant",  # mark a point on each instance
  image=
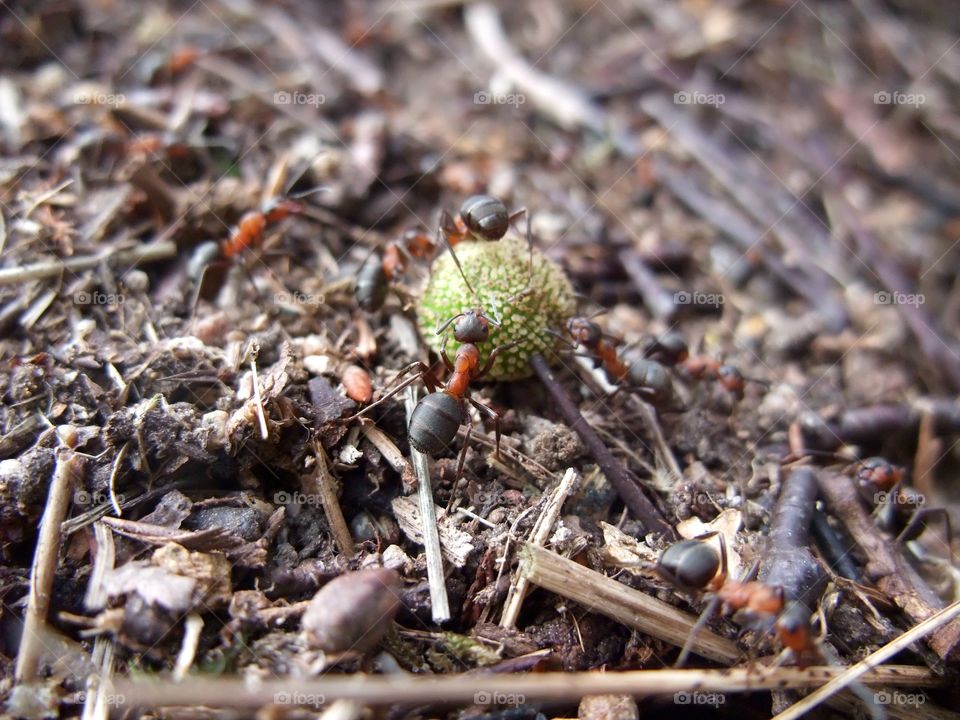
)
(696, 566)
(250, 230)
(897, 509)
(671, 349)
(380, 267)
(642, 374)
(438, 415)
(483, 217)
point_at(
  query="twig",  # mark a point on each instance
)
(870, 662)
(538, 687)
(598, 593)
(538, 536)
(65, 477)
(439, 604)
(895, 577)
(325, 485)
(390, 452)
(567, 105)
(162, 250)
(640, 507)
(659, 441)
(188, 646)
(659, 301)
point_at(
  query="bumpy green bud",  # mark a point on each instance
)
(499, 273)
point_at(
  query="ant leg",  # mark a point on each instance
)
(423, 374)
(528, 288)
(705, 616)
(463, 451)
(443, 231)
(496, 420)
(443, 353)
(917, 523)
(493, 356)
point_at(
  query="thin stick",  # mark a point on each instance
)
(150, 252)
(599, 593)
(188, 646)
(870, 662)
(538, 687)
(439, 604)
(640, 507)
(325, 485)
(66, 475)
(541, 531)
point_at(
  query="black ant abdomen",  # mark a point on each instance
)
(689, 564)
(485, 216)
(434, 422)
(372, 283)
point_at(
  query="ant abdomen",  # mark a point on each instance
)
(434, 422)
(651, 376)
(372, 283)
(689, 564)
(485, 216)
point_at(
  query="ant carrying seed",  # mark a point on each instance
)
(382, 266)
(438, 415)
(483, 217)
(639, 374)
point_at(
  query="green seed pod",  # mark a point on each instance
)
(499, 271)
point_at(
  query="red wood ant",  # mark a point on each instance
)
(639, 373)
(481, 216)
(696, 566)
(382, 266)
(671, 349)
(249, 231)
(438, 415)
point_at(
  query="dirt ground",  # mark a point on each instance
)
(757, 206)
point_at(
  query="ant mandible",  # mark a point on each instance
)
(641, 374)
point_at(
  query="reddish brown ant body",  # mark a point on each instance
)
(249, 231)
(382, 266)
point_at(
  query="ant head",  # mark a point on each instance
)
(878, 473)
(731, 378)
(689, 564)
(485, 216)
(472, 327)
(584, 331)
(793, 628)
